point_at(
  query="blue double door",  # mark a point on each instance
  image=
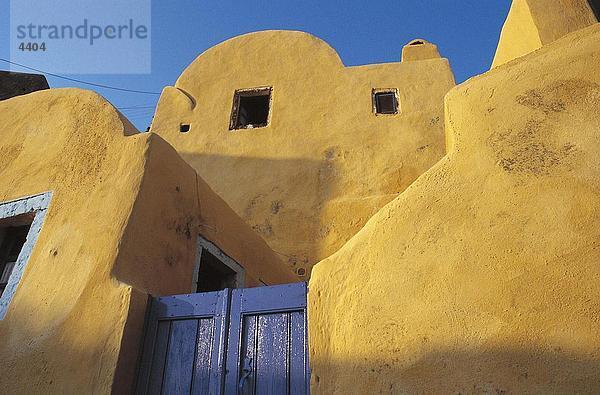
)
(241, 341)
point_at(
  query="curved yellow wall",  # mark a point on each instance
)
(64, 325)
(483, 276)
(325, 164)
(533, 23)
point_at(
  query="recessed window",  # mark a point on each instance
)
(385, 101)
(251, 108)
(20, 223)
(215, 271)
(12, 241)
(417, 42)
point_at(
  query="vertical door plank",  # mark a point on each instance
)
(159, 357)
(233, 348)
(202, 364)
(298, 357)
(219, 350)
(248, 350)
(272, 358)
(180, 357)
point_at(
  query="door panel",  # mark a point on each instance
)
(185, 345)
(269, 326)
(180, 357)
(272, 354)
(203, 353)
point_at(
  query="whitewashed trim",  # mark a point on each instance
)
(37, 205)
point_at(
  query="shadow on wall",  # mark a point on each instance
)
(67, 354)
(47, 364)
(288, 215)
(492, 371)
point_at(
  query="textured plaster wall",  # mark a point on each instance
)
(63, 328)
(534, 23)
(483, 276)
(122, 223)
(325, 164)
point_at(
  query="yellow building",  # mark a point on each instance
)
(323, 160)
(449, 233)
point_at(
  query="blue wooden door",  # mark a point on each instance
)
(185, 345)
(245, 341)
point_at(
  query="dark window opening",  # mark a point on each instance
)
(251, 109)
(417, 43)
(12, 239)
(214, 275)
(595, 4)
(385, 102)
(184, 128)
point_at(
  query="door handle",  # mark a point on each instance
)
(246, 372)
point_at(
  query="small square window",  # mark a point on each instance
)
(251, 108)
(385, 101)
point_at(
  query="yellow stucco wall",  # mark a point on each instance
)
(483, 276)
(63, 327)
(325, 164)
(122, 223)
(534, 23)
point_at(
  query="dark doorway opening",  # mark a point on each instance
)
(214, 275)
(12, 239)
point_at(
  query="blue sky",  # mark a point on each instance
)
(362, 32)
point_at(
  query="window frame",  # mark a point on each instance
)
(36, 206)
(260, 91)
(378, 91)
(204, 244)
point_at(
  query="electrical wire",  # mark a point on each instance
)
(134, 107)
(81, 81)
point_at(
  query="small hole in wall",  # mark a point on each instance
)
(184, 128)
(417, 43)
(301, 271)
